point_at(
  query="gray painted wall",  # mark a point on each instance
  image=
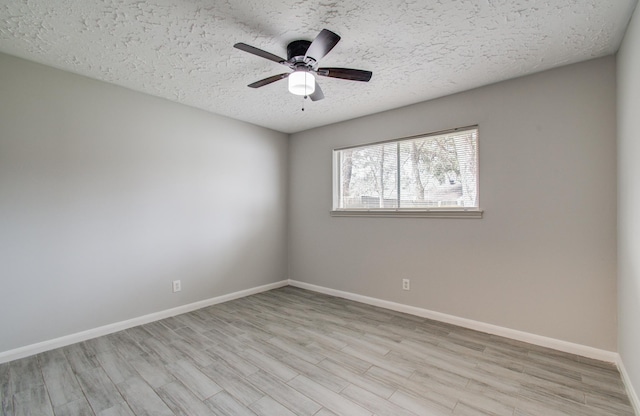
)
(629, 201)
(543, 258)
(107, 195)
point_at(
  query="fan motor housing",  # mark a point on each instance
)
(297, 49)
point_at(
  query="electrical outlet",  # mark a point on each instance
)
(406, 284)
(177, 286)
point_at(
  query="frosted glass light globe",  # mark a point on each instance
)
(302, 83)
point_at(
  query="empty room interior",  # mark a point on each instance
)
(319, 208)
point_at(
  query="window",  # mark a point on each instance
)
(428, 175)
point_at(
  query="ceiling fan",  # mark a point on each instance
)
(302, 58)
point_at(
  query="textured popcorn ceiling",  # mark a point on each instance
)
(418, 50)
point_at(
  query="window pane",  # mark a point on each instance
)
(436, 171)
(439, 171)
(368, 177)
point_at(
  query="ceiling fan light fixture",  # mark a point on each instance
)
(302, 58)
(302, 83)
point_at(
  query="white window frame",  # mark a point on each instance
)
(433, 212)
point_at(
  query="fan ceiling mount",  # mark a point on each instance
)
(302, 59)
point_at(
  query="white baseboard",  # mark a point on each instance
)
(553, 343)
(39, 347)
(631, 392)
(556, 344)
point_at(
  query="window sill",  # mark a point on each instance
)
(433, 213)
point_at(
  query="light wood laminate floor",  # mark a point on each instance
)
(295, 352)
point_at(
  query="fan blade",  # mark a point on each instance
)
(346, 73)
(268, 81)
(259, 52)
(317, 94)
(322, 44)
